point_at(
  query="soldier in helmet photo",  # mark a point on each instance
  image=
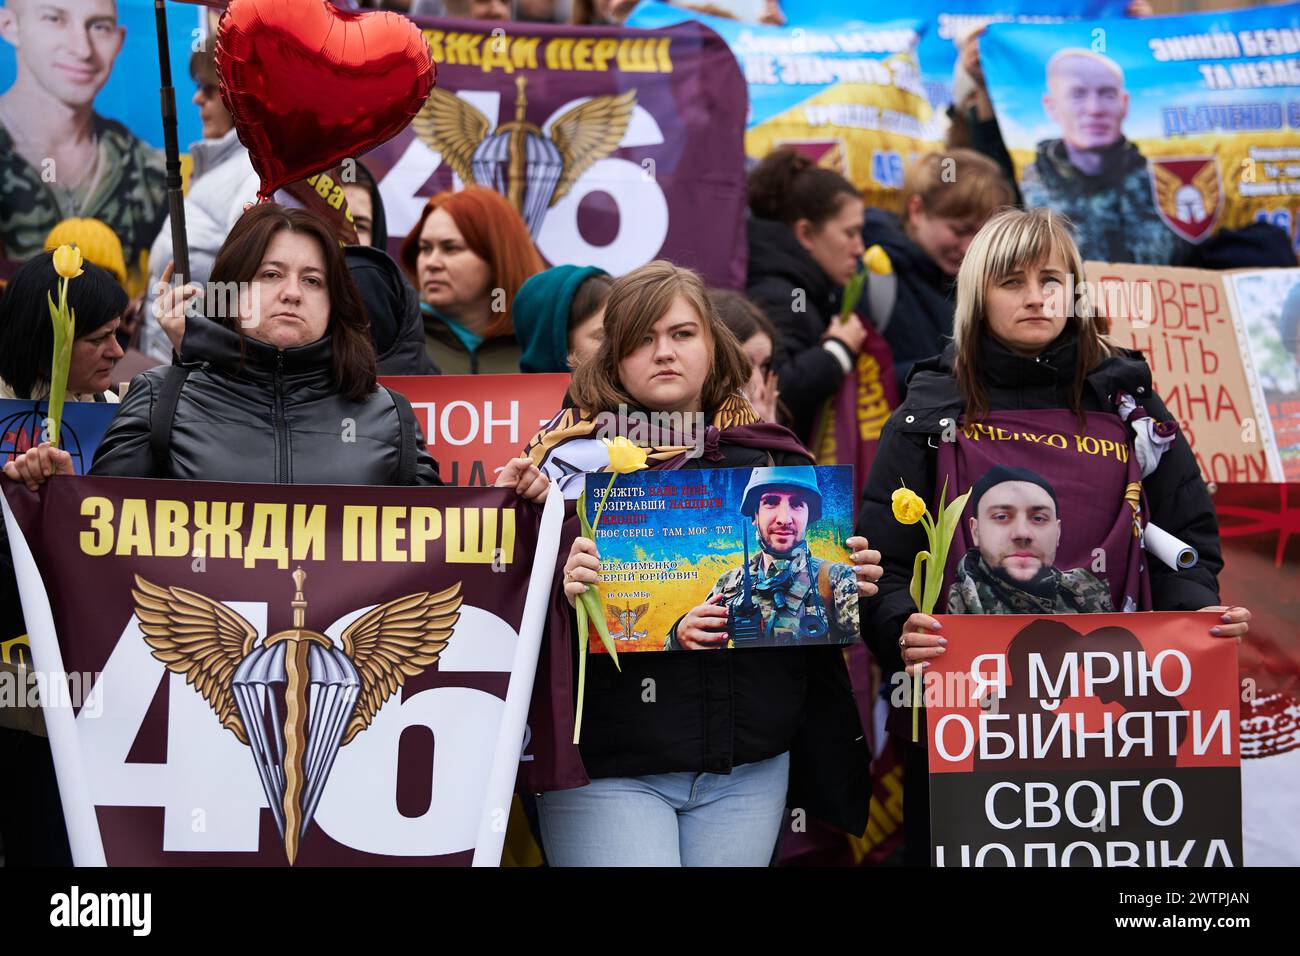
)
(1016, 530)
(782, 595)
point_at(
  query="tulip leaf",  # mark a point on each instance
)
(917, 572)
(580, 607)
(596, 611)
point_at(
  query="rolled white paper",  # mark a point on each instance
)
(1179, 555)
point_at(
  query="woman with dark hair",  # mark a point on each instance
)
(700, 777)
(27, 337)
(757, 337)
(1027, 349)
(468, 256)
(267, 380)
(559, 317)
(805, 243)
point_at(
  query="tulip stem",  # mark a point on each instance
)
(601, 507)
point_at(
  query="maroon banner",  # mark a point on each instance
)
(616, 146)
(474, 424)
(257, 675)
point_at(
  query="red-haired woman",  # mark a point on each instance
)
(468, 255)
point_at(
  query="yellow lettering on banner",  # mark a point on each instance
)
(212, 536)
(497, 55)
(308, 532)
(637, 56)
(523, 52)
(605, 51)
(665, 61)
(359, 528)
(98, 541)
(267, 538)
(472, 535)
(582, 54)
(426, 526)
(392, 534)
(559, 54)
(462, 49)
(171, 536)
(434, 39)
(133, 529)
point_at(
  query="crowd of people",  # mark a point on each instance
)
(970, 304)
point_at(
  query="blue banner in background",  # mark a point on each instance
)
(22, 426)
(130, 94)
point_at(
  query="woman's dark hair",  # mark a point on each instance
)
(591, 294)
(788, 186)
(240, 257)
(26, 335)
(743, 317)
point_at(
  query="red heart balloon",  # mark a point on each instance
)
(309, 84)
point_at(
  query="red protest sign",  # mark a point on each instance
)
(474, 424)
(1096, 739)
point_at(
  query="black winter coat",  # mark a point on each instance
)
(393, 308)
(797, 296)
(1179, 501)
(715, 710)
(920, 324)
(271, 416)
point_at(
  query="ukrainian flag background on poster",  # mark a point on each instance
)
(849, 96)
(1213, 105)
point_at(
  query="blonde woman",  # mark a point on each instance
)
(686, 756)
(1026, 350)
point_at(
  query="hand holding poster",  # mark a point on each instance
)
(734, 558)
(1156, 132)
(1099, 740)
(241, 662)
(848, 95)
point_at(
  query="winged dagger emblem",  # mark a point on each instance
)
(625, 620)
(517, 159)
(296, 698)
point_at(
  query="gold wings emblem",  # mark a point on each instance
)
(450, 126)
(199, 638)
(1205, 182)
(395, 641)
(588, 132)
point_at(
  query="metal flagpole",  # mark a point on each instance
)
(175, 198)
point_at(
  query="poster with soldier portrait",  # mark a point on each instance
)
(1152, 134)
(726, 558)
(1268, 307)
(80, 125)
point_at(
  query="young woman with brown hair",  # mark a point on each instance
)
(699, 776)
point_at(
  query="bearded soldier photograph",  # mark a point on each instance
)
(783, 595)
(1016, 530)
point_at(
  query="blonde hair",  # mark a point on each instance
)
(636, 302)
(1013, 240)
(956, 184)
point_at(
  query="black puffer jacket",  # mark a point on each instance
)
(393, 307)
(920, 324)
(715, 710)
(797, 296)
(1180, 503)
(271, 416)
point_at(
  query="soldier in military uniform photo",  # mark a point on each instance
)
(1093, 174)
(59, 159)
(783, 595)
(1016, 530)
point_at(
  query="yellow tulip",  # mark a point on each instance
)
(67, 261)
(907, 505)
(625, 457)
(876, 260)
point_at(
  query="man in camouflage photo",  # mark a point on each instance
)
(1011, 570)
(59, 159)
(1093, 174)
(790, 597)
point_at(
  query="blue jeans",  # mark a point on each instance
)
(669, 819)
